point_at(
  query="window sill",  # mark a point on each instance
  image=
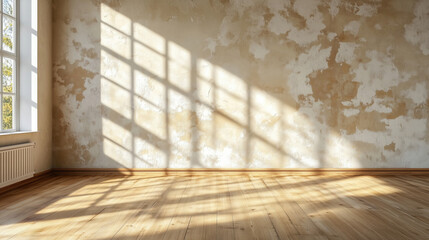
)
(16, 133)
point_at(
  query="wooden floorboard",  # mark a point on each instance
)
(241, 206)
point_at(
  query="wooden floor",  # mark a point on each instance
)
(218, 207)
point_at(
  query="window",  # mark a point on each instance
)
(8, 54)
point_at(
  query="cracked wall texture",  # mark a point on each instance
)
(241, 84)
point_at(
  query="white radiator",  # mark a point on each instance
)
(16, 163)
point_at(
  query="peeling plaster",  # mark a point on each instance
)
(279, 25)
(331, 36)
(334, 7)
(346, 52)
(233, 84)
(259, 51)
(380, 73)
(352, 27)
(364, 9)
(418, 93)
(314, 60)
(351, 112)
(417, 32)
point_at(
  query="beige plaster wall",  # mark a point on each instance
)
(43, 137)
(241, 83)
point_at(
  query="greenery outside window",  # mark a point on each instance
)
(8, 54)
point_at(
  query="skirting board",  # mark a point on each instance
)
(36, 177)
(236, 171)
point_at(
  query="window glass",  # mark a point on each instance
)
(8, 60)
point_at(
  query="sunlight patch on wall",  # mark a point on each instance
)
(231, 95)
(115, 69)
(149, 92)
(340, 153)
(115, 97)
(149, 60)
(179, 67)
(117, 134)
(115, 19)
(149, 38)
(149, 153)
(266, 116)
(206, 87)
(117, 42)
(148, 119)
(117, 153)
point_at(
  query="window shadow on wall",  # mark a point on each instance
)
(166, 102)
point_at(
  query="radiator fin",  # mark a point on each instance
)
(16, 163)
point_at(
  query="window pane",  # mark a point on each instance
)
(9, 7)
(8, 110)
(8, 75)
(8, 34)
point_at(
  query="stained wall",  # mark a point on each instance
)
(241, 84)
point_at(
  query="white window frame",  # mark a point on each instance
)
(28, 66)
(15, 56)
